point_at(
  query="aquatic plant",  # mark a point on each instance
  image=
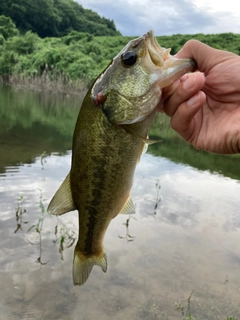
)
(65, 236)
(38, 227)
(19, 213)
(184, 307)
(128, 237)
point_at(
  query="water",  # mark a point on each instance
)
(181, 250)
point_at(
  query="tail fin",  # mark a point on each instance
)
(82, 266)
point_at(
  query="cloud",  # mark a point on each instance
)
(135, 17)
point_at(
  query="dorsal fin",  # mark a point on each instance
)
(62, 201)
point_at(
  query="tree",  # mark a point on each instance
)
(7, 28)
(54, 18)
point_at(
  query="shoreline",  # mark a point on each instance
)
(45, 84)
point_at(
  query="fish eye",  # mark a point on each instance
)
(129, 58)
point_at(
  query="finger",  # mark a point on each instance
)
(187, 118)
(188, 86)
(205, 56)
(166, 93)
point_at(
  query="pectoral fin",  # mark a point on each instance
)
(145, 140)
(62, 201)
(128, 207)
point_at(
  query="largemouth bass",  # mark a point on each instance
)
(109, 137)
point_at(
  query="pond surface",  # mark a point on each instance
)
(179, 254)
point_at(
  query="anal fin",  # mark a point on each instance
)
(128, 207)
(62, 201)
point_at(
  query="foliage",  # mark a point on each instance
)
(80, 55)
(54, 18)
(224, 41)
(7, 28)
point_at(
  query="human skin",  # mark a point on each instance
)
(204, 106)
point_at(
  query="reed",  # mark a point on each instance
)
(48, 83)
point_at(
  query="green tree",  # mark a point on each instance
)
(7, 28)
(38, 16)
(53, 18)
(23, 44)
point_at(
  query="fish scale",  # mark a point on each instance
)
(105, 178)
(109, 138)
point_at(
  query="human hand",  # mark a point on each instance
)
(205, 110)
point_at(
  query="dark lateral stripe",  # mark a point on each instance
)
(100, 169)
(93, 208)
(90, 227)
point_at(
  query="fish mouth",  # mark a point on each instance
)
(157, 54)
(167, 67)
(161, 57)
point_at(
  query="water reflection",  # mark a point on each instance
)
(32, 123)
(185, 235)
(181, 246)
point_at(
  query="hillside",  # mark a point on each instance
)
(55, 18)
(77, 55)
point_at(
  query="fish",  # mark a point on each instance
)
(110, 135)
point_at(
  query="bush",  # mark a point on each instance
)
(7, 28)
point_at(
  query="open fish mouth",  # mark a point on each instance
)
(161, 57)
(157, 54)
(165, 67)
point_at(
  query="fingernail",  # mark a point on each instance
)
(193, 100)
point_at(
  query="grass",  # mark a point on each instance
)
(190, 317)
(38, 227)
(64, 236)
(184, 307)
(49, 84)
(19, 213)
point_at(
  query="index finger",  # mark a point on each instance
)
(205, 56)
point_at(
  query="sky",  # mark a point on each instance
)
(167, 17)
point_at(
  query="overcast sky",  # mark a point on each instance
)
(167, 17)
